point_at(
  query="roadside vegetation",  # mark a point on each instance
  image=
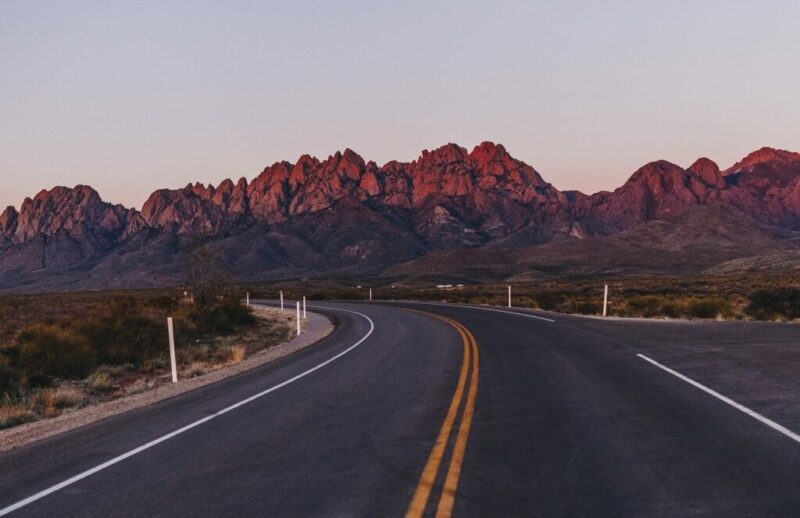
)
(775, 304)
(771, 297)
(59, 352)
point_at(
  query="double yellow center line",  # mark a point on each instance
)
(426, 481)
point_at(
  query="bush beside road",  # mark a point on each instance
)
(69, 351)
(771, 297)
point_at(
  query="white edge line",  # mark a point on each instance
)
(120, 458)
(473, 307)
(755, 415)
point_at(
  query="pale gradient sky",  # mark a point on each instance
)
(133, 96)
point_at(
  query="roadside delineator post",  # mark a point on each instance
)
(370, 294)
(172, 360)
(605, 301)
(248, 298)
(281, 301)
(304, 307)
(509, 296)
(298, 318)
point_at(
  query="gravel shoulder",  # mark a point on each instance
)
(315, 328)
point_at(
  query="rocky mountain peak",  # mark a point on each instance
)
(765, 155)
(350, 164)
(708, 171)
(267, 194)
(78, 211)
(342, 208)
(8, 220)
(271, 175)
(304, 164)
(447, 154)
(205, 192)
(655, 169)
(487, 152)
(232, 198)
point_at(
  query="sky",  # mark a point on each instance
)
(132, 96)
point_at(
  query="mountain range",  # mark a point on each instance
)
(450, 214)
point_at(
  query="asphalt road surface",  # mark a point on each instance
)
(418, 409)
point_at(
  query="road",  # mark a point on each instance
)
(418, 408)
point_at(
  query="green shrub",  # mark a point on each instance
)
(11, 354)
(317, 296)
(645, 306)
(587, 308)
(672, 309)
(650, 306)
(36, 380)
(780, 303)
(53, 351)
(163, 302)
(708, 307)
(122, 333)
(9, 378)
(214, 317)
(549, 300)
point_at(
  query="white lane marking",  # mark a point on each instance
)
(755, 415)
(473, 307)
(120, 458)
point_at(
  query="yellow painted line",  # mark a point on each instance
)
(420, 499)
(422, 493)
(446, 501)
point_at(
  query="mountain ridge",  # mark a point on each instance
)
(345, 214)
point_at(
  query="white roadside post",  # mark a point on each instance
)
(281, 301)
(370, 294)
(172, 351)
(304, 307)
(248, 298)
(605, 301)
(509, 296)
(298, 318)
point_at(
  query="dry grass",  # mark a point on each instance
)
(36, 403)
(99, 382)
(152, 365)
(55, 400)
(195, 369)
(140, 385)
(236, 353)
(12, 414)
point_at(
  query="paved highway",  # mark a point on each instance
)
(424, 409)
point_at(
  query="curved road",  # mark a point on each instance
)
(426, 409)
